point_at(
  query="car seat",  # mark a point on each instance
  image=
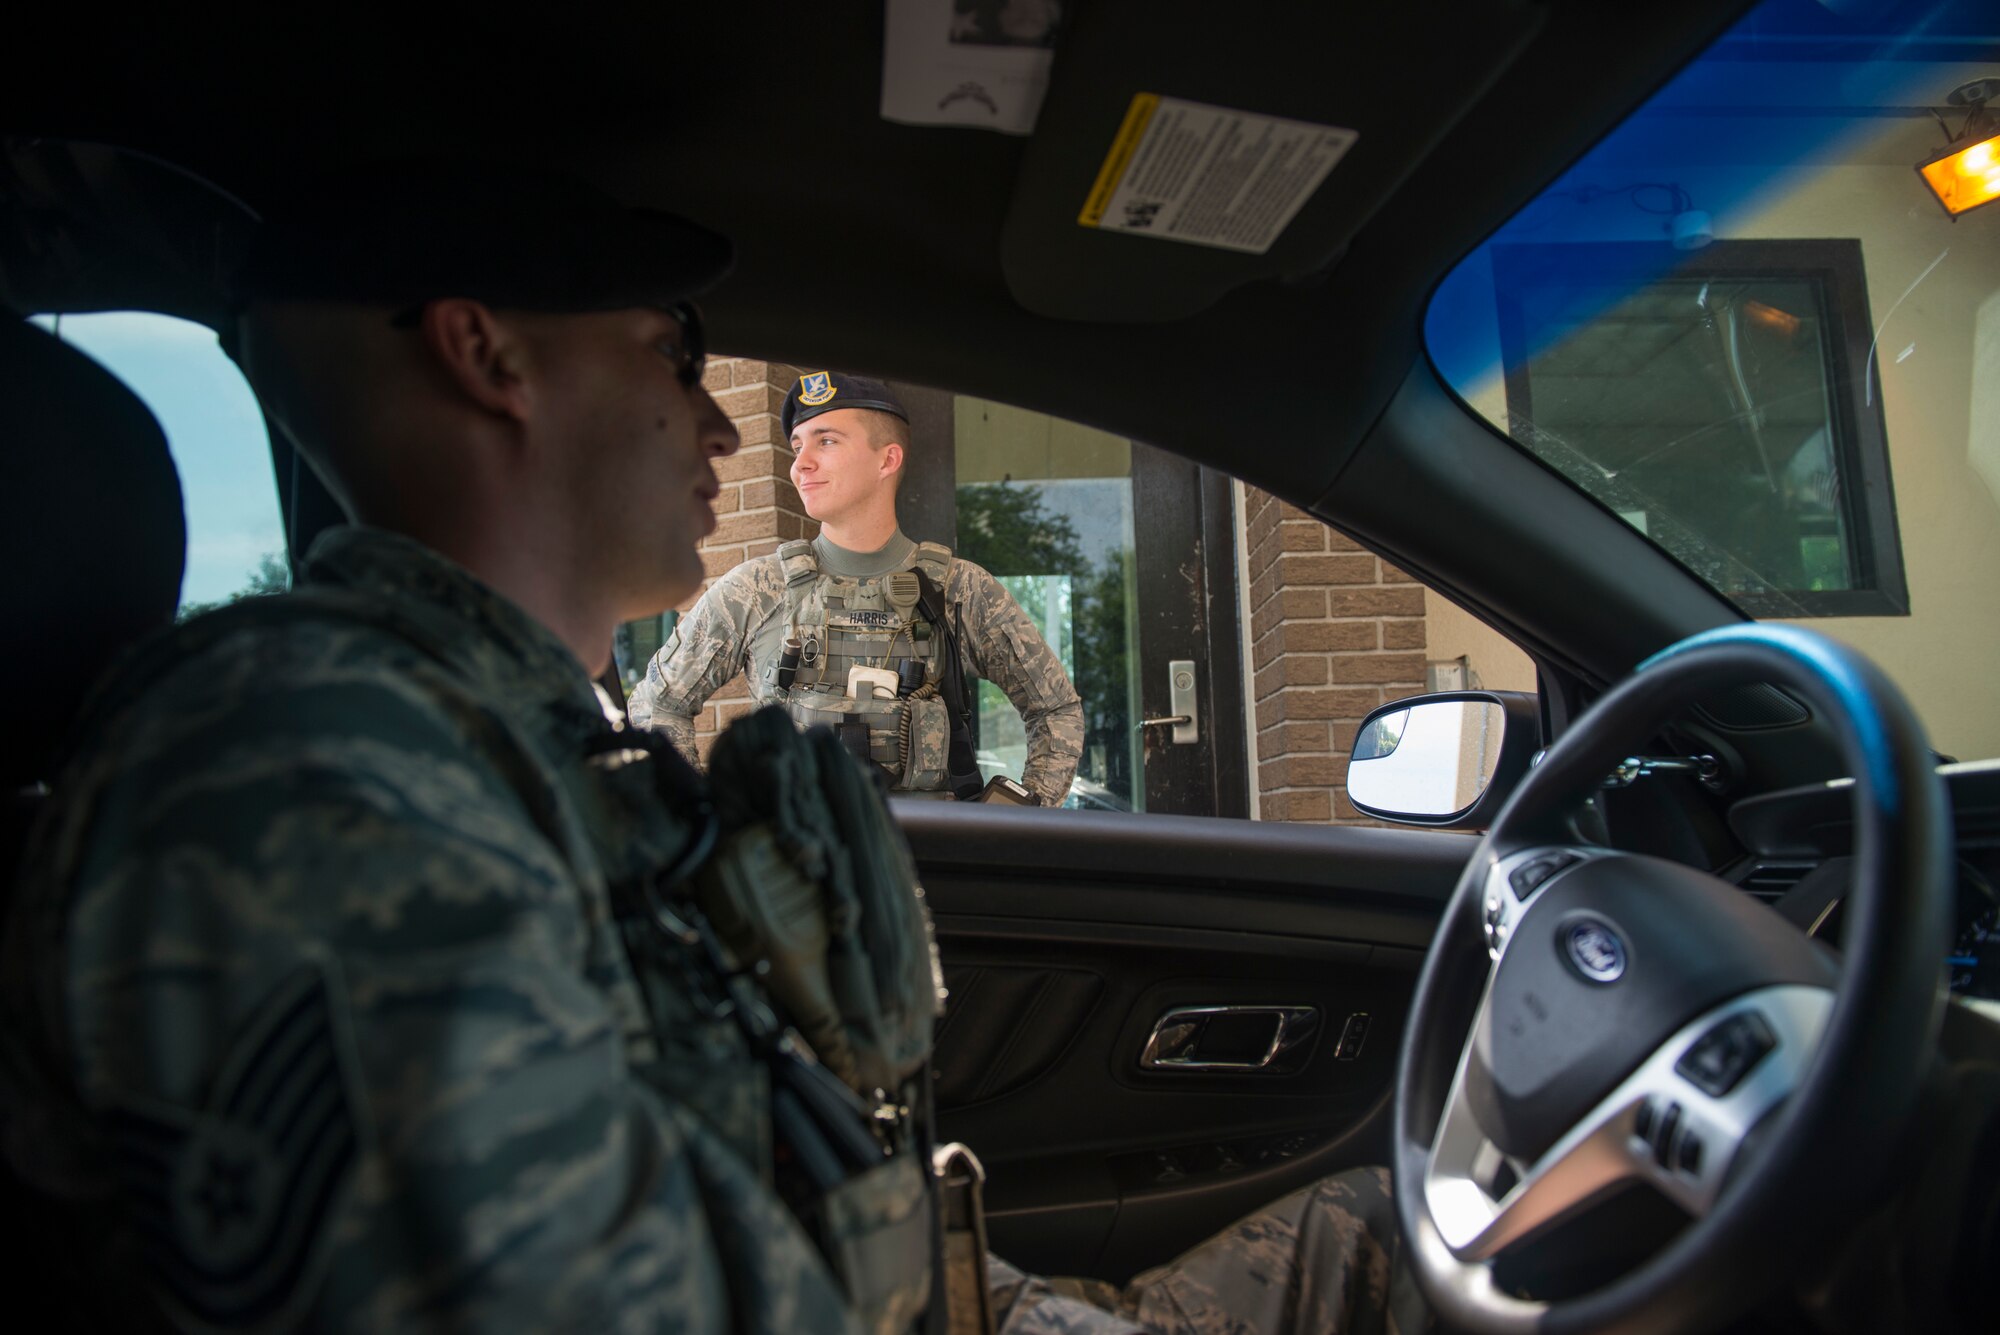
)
(92, 544)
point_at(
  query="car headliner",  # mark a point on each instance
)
(938, 255)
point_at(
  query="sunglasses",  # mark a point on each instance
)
(688, 353)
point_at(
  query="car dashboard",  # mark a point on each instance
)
(1798, 842)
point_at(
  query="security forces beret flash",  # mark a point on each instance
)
(403, 233)
(824, 391)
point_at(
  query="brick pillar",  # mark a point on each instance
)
(757, 509)
(1335, 631)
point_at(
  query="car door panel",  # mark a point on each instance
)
(1066, 936)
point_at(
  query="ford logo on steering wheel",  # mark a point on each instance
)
(1595, 950)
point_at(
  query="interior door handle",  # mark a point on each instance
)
(1232, 1035)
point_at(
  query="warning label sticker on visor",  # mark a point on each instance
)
(1186, 171)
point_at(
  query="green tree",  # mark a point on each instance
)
(272, 575)
(1103, 671)
(1006, 528)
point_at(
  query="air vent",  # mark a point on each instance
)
(1772, 881)
(1748, 707)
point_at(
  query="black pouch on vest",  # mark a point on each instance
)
(813, 884)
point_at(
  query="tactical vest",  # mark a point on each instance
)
(842, 622)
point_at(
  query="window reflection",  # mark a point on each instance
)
(1713, 409)
(1046, 506)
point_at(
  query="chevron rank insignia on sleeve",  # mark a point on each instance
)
(230, 1201)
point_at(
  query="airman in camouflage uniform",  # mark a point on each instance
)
(346, 1001)
(823, 596)
(319, 998)
(323, 997)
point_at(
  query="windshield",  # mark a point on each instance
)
(1748, 325)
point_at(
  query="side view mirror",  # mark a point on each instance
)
(1448, 760)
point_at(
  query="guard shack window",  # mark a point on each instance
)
(1726, 405)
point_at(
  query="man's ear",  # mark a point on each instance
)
(478, 354)
(891, 458)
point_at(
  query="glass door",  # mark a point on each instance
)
(1124, 558)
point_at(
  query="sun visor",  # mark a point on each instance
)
(1185, 149)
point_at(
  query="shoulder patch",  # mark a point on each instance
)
(798, 560)
(231, 1200)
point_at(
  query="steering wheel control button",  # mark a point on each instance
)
(1720, 1058)
(1663, 1137)
(1595, 948)
(1496, 922)
(1529, 876)
(1642, 1121)
(1687, 1155)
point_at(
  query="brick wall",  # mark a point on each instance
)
(1334, 632)
(757, 508)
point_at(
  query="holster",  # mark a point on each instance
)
(813, 889)
(961, 763)
(962, 1282)
(875, 1230)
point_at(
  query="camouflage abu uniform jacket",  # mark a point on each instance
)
(738, 626)
(324, 946)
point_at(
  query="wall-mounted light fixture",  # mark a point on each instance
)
(1967, 173)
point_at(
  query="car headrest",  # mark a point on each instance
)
(92, 538)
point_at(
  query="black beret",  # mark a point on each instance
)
(403, 233)
(823, 391)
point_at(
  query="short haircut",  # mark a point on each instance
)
(883, 428)
(282, 352)
(327, 374)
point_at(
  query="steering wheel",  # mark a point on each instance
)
(1589, 1020)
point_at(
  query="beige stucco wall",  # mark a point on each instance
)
(1940, 419)
(1938, 357)
(1455, 633)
